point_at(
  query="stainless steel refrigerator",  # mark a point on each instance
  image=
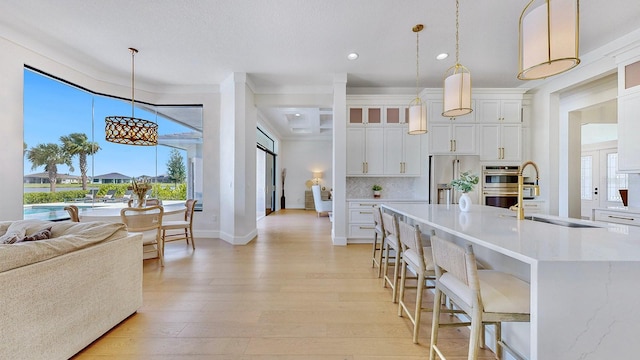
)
(443, 169)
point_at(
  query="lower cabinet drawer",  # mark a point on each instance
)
(361, 216)
(617, 217)
(362, 231)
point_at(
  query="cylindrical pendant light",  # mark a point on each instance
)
(549, 37)
(417, 107)
(457, 83)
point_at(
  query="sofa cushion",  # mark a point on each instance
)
(40, 235)
(66, 236)
(11, 238)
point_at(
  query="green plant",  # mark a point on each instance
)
(376, 187)
(465, 182)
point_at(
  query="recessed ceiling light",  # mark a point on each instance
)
(352, 56)
(297, 114)
(442, 56)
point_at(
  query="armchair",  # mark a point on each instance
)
(322, 206)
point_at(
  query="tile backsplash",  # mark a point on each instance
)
(392, 187)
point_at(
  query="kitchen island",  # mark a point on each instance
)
(583, 275)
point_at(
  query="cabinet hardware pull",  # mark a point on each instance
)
(366, 212)
(372, 205)
(366, 228)
(455, 146)
(363, 167)
(451, 145)
(620, 217)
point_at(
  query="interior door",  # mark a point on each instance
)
(589, 183)
(600, 180)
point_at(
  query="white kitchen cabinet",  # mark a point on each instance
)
(617, 216)
(360, 225)
(534, 207)
(628, 130)
(449, 139)
(500, 142)
(361, 219)
(396, 115)
(365, 151)
(401, 152)
(434, 109)
(363, 115)
(496, 110)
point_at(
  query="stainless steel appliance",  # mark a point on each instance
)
(500, 185)
(443, 169)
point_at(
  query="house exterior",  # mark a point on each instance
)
(43, 178)
(111, 178)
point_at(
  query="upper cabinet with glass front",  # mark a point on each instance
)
(365, 115)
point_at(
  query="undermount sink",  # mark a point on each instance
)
(558, 222)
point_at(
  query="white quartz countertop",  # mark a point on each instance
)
(526, 240)
(387, 200)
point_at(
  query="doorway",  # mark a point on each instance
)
(600, 181)
(265, 183)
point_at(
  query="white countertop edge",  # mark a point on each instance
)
(534, 242)
(386, 200)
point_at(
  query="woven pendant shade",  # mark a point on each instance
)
(131, 130)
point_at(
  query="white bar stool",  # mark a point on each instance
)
(391, 242)
(420, 260)
(486, 296)
(376, 257)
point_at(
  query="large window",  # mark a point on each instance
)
(60, 117)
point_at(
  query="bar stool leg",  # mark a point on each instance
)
(435, 324)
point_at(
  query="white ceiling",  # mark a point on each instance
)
(292, 44)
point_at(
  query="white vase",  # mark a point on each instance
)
(465, 202)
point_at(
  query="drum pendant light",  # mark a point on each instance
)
(417, 107)
(457, 83)
(548, 41)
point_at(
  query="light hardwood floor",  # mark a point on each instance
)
(289, 294)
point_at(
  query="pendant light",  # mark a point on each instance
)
(457, 83)
(131, 130)
(548, 42)
(417, 107)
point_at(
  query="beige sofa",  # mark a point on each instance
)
(61, 294)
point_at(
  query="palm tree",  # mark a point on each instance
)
(79, 144)
(49, 155)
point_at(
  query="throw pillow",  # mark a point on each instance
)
(40, 235)
(10, 238)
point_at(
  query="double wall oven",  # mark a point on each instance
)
(500, 185)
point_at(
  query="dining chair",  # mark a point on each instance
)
(186, 225)
(417, 258)
(147, 202)
(391, 243)
(73, 213)
(378, 239)
(485, 296)
(147, 220)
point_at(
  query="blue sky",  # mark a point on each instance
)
(53, 109)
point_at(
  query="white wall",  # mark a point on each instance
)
(301, 158)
